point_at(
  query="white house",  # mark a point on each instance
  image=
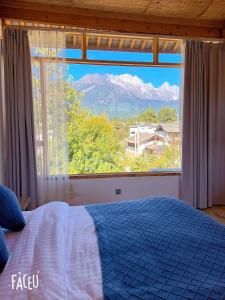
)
(142, 128)
(146, 138)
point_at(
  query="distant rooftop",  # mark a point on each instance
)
(168, 127)
(142, 137)
(143, 124)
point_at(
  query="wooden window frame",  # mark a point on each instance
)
(125, 174)
(155, 50)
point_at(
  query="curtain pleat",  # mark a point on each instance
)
(50, 114)
(20, 164)
(203, 154)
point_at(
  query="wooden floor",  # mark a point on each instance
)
(216, 212)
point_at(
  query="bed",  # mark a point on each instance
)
(156, 248)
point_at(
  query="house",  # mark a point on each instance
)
(151, 139)
(142, 128)
(144, 141)
(171, 129)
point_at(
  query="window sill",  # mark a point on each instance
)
(125, 174)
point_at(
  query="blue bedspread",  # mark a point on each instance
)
(159, 248)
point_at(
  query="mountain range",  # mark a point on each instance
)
(124, 96)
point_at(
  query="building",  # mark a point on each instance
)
(152, 138)
(144, 137)
(170, 129)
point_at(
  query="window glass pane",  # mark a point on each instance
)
(119, 56)
(123, 119)
(170, 51)
(170, 58)
(42, 42)
(73, 53)
(120, 48)
(73, 45)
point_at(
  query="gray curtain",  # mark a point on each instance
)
(203, 149)
(20, 165)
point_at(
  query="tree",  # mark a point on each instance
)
(142, 163)
(167, 115)
(94, 144)
(170, 157)
(148, 116)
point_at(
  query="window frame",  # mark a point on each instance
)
(125, 174)
(85, 60)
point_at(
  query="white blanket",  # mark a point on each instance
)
(54, 257)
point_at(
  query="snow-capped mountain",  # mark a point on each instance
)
(124, 95)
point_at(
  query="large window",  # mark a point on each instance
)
(126, 112)
(123, 102)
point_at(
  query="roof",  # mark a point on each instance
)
(170, 127)
(143, 137)
(143, 124)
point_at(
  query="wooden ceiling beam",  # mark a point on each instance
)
(132, 43)
(164, 45)
(143, 44)
(98, 41)
(110, 42)
(103, 22)
(125, 35)
(121, 43)
(87, 41)
(175, 46)
(74, 40)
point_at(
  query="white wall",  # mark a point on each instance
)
(99, 190)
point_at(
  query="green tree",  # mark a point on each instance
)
(142, 163)
(149, 116)
(122, 127)
(170, 157)
(94, 144)
(167, 115)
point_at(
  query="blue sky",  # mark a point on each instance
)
(155, 75)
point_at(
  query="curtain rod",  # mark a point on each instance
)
(144, 35)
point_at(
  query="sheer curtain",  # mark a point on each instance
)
(50, 110)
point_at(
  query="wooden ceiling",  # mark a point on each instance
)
(110, 42)
(197, 18)
(188, 9)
